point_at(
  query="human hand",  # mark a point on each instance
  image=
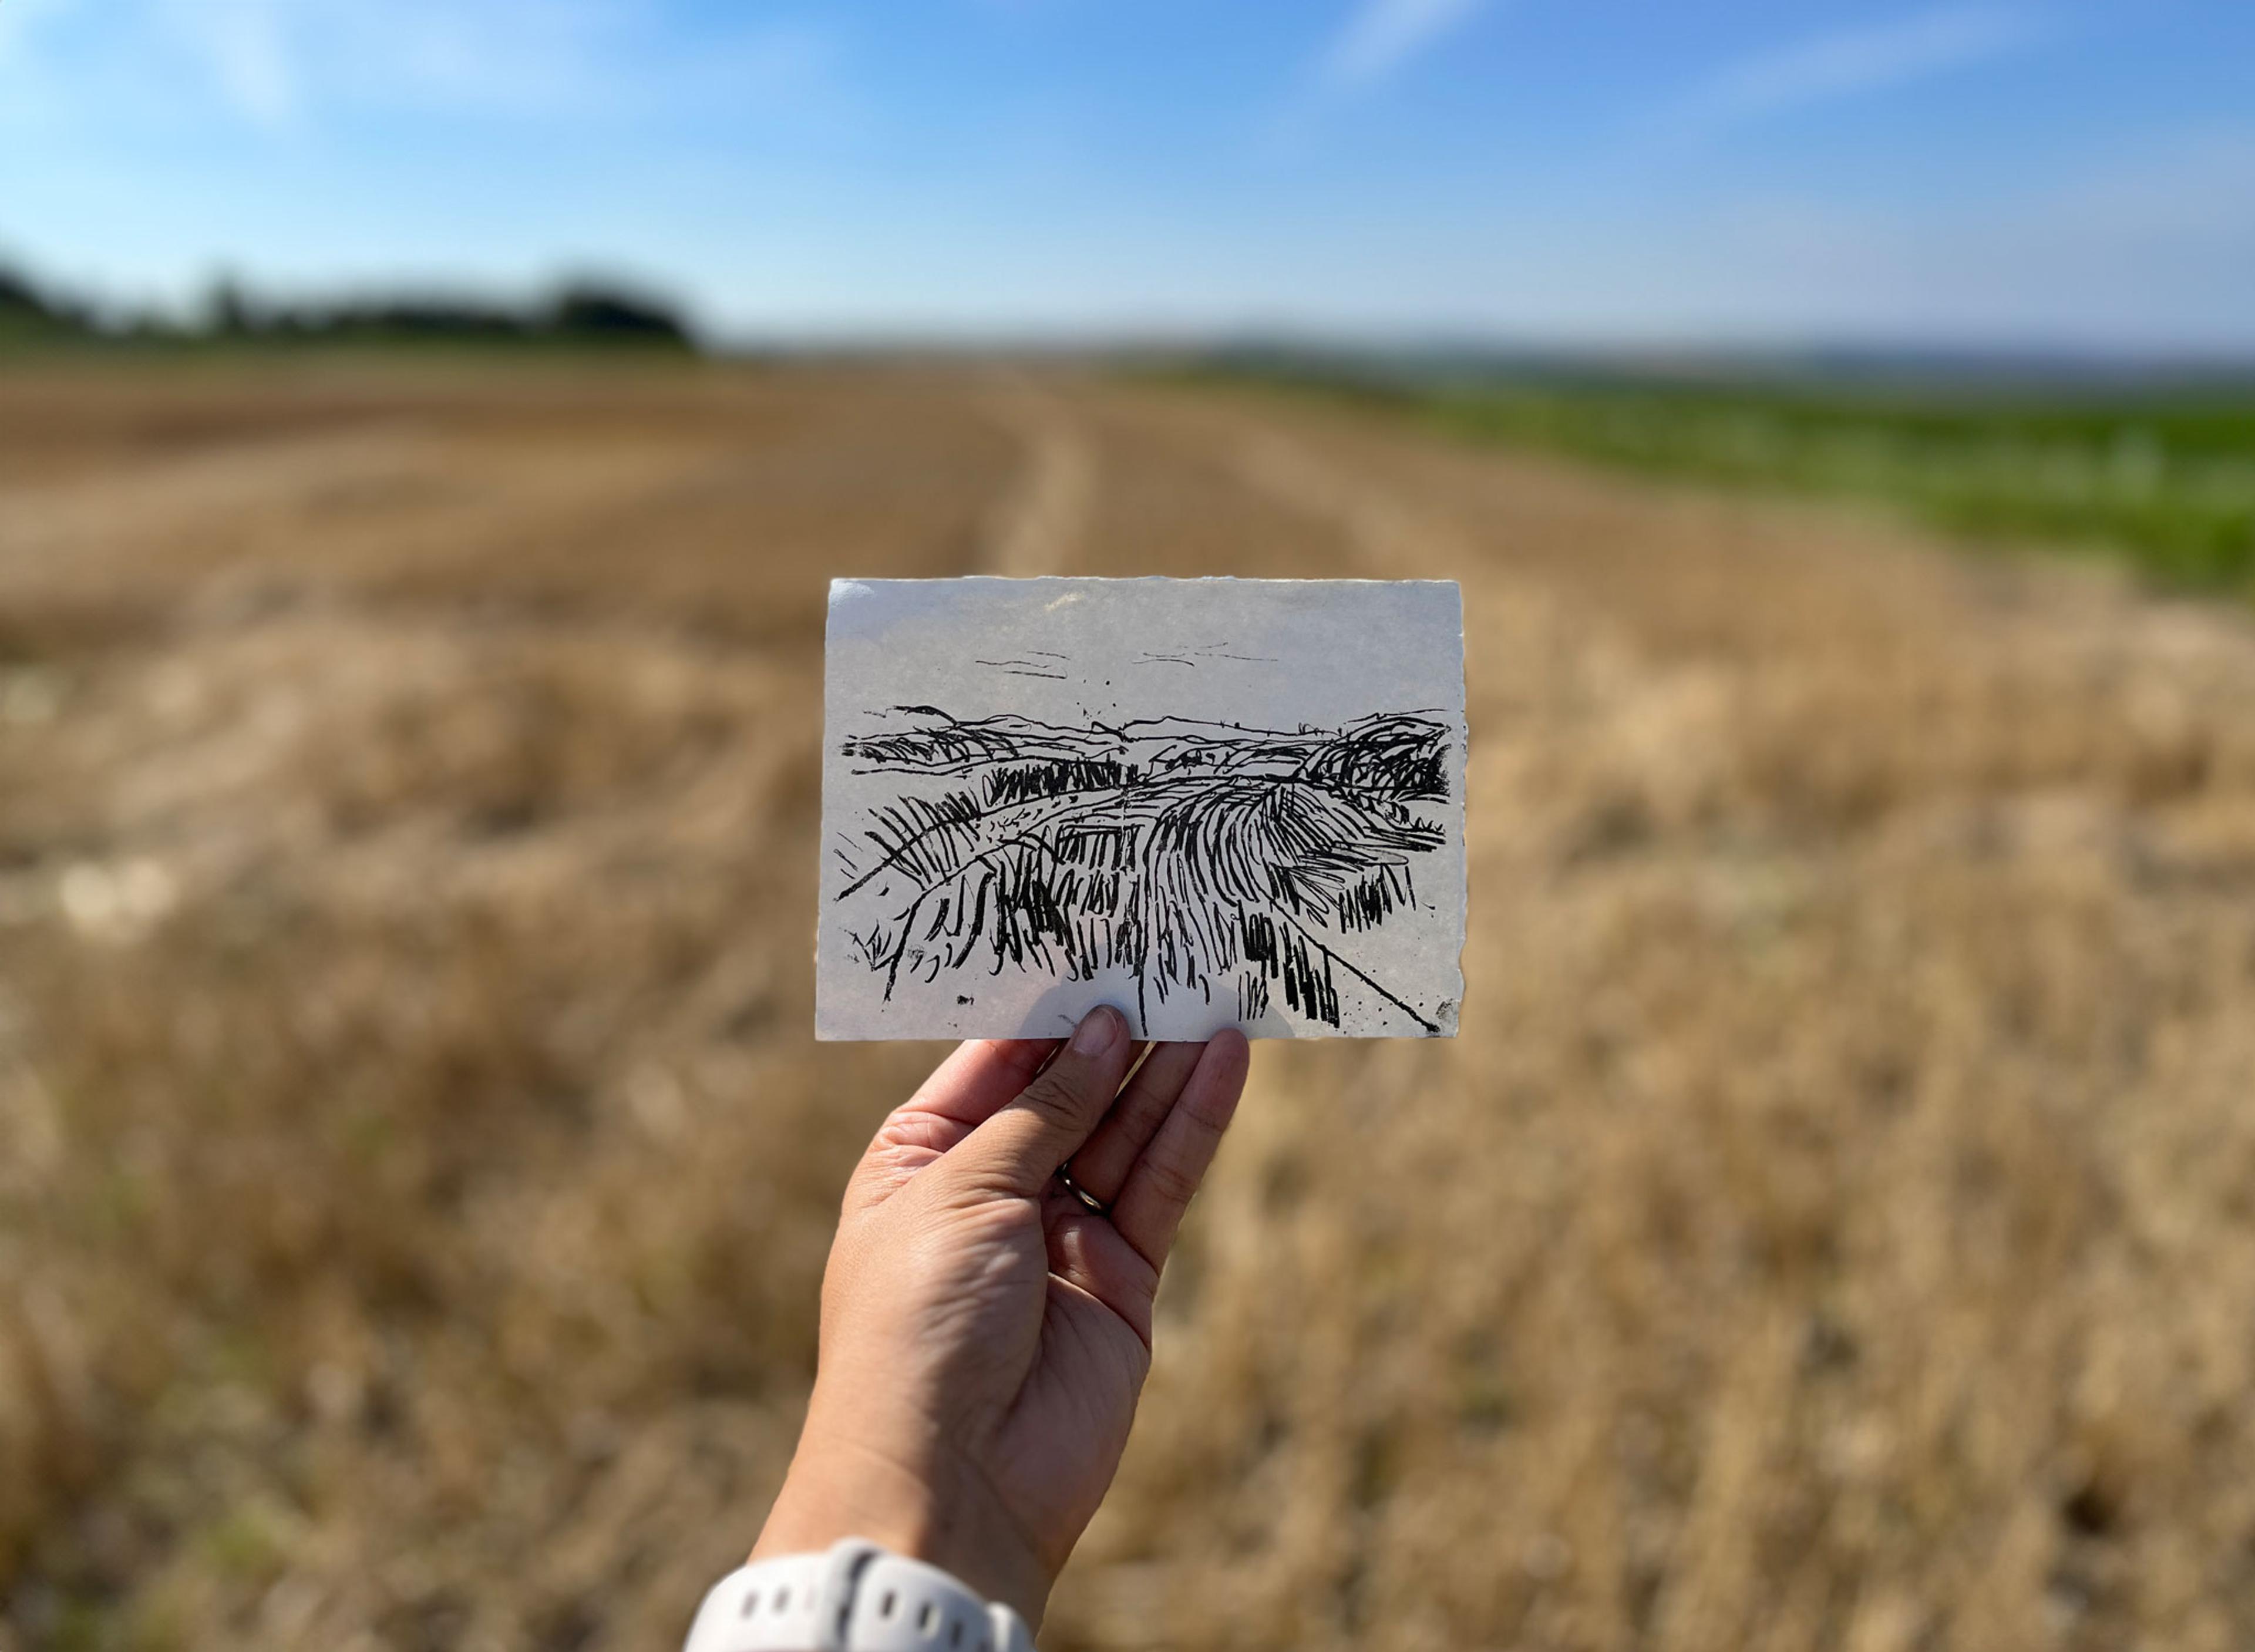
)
(985, 1334)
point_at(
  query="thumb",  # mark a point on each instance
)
(1021, 1147)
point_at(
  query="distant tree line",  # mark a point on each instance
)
(25, 308)
(578, 313)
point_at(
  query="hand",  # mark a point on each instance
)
(984, 1335)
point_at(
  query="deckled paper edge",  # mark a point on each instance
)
(844, 590)
(1449, 1013)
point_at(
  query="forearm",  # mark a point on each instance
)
(936, 1508)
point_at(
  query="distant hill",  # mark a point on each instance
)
(1924, 372)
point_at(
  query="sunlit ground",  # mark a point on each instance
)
(1831, 1228)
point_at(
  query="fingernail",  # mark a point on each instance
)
(1099, 1030)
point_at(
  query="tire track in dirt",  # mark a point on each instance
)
(1394, 540)
(1041, 521)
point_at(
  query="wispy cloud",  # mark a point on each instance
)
(1852, 61)
(243, 48)
(279, 65)
(19, 19)
(1383, 36)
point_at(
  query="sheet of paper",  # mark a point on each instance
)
(1211, 803)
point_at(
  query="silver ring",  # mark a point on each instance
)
(1089, 1201)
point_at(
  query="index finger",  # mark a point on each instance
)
(980, 1078)
(978, 1081)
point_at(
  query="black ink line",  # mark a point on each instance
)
(1221, 651)
(1191, 854)
(1431, 1027)
(1206, 723)
(1084, 800)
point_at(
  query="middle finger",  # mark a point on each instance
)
(1101, 1165)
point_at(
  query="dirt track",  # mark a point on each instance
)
(1833, 1229)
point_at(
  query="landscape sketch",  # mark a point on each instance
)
(1211, 803)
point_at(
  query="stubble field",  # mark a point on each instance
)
(1834, 1228)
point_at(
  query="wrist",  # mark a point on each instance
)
(942, 1512)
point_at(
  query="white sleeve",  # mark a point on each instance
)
(855, 1597)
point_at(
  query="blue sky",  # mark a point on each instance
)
(2018, 172)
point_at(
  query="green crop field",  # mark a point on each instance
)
(2164, 475)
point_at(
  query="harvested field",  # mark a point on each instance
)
(1834, 1228)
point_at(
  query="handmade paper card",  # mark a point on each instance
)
(1211, 803)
